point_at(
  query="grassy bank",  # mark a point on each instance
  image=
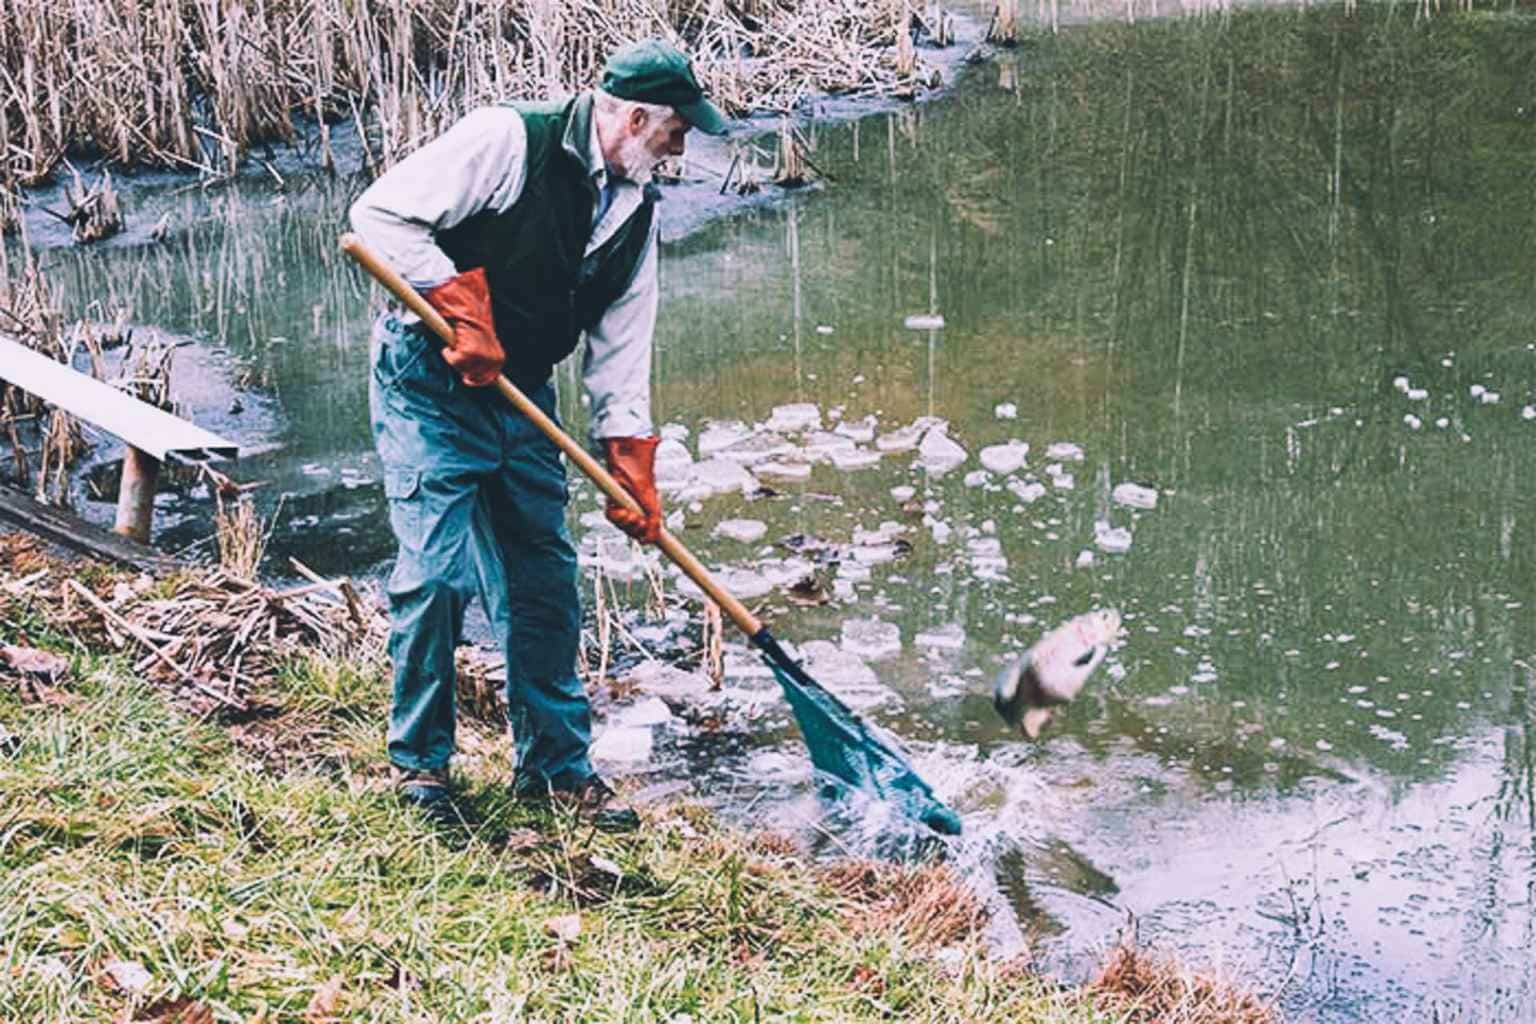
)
(165, 865)
(195, 84)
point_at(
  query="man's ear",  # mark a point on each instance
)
(638, 116)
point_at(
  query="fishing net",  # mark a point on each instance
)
(844, 747)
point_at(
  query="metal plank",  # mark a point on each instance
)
(140, 424)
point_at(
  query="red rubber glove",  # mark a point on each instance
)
(632, 461)
(465, 302)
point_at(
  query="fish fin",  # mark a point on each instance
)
(1034, 721)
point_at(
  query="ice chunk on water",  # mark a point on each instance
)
(871, 638)
(1528, 413)
(1413, 422)
(904, 439)
(1064, 451)
(796, 417)
(984, 546)
(645, 712)
(977, 478)
(623, 745)
(784, 571)
(861, 431)
(1063, 481)
(720, 435)
(905, 492)
(821, 444)
(1134, 496)
(941, 531)
(1084, 558)
(924, 322)
(848, 459)
(744, 530)
(596, 521)
(757, 448)
(1006, 411)
(887, 531)
(1027, 491)
(846, 674)
(1400, 382)
(778, 767)
(671, 683)
(875, 554)
(745, 584)
(1416, 394)
(673, 462)
(783, 470)
(949, 637)
(1477, 390)
(1490, 398)
(1114, 539)
(719, 476)
(938, 451)
(1003, 459)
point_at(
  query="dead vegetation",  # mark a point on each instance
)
(195, 86)
(928, 905)
(1146, 989)
(211, 636)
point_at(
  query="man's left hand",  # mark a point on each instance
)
(632, 461)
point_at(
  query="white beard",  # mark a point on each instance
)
(634, 161)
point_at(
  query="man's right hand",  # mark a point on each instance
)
(465, 302)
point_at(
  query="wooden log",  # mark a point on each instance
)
(72, 532)
(136, 495)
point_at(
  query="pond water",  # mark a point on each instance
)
(1204, 252)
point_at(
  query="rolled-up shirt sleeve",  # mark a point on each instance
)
(477, 164)
(616, 367)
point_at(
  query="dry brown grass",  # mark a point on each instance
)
(928, 905)
(194, 83)
(1147, 989)
(242, 538)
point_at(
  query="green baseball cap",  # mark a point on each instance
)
(654, 71)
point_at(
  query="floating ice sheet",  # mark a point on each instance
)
(948, 637)
(720, 435)
(924, 322)
(1064, 451)
(795, 418)
(783, 470)
(1003, 459)
(623, 745)
(1006, 411)
(1134, 496)
(849, 459)
(938, 452)
(744, 530)
(1114, 539)
(718, 476)
(1027, 491)
(871, 638)
(647, 711)
(860, 431)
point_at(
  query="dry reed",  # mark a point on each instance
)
(241, 536)
(1143, 989)
(195, 83)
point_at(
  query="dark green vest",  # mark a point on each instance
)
(544, 290)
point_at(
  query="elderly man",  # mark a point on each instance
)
(525, 225)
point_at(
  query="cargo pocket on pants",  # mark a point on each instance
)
(403, 489)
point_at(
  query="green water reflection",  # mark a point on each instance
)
(1202, 251)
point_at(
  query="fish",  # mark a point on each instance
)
(1054, 670)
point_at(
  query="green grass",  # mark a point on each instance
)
(129, 831)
